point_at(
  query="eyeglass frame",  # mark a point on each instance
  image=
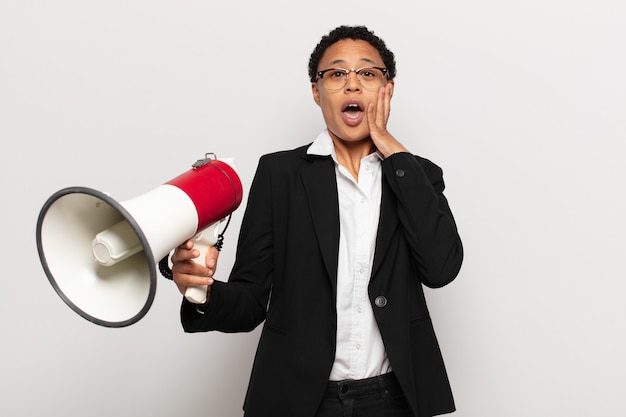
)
(320, 74)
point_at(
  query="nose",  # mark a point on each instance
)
(352, 81)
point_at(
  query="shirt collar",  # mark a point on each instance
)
(323, 146)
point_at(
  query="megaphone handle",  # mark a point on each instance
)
(196, 294)
(202, 242)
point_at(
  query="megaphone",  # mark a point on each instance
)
(101, 255)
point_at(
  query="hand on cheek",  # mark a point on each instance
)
(377, 117)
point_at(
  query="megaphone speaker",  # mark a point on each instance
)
(100, 255)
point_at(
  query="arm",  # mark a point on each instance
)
(427, 221)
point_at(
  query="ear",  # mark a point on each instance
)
(393, 85)
(316, 93)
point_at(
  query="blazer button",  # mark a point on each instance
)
(400, 173)
(380, 301)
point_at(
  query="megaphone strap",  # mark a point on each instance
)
(164, 267)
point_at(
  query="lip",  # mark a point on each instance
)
(352, 118)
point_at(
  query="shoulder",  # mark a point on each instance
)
(290, 160)
(408, 159)
(429, 166)
(285, 155)
(405, 162)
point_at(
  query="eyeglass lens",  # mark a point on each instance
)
(370, 78)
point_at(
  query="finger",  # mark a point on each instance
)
(371, 118)
(376, 118)
(380, 107)
(185, 252)
(185, 281)
(211, 257)
(383, 106)
(188, 244)
(190, 267)
(387, 101)
(191, 273)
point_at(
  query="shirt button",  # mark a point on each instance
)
(380, 301)
(400, 173)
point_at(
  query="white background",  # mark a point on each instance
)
(522, 103)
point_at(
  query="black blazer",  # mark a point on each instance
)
(285, 274)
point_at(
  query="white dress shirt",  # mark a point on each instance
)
(360, 352)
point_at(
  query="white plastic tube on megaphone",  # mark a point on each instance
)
(119, 242)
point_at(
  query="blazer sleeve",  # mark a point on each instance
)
(241, 304)
(426, 218)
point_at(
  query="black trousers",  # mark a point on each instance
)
(379, 396)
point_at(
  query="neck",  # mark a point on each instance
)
(349, 154)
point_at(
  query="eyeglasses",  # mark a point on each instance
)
(371, 78)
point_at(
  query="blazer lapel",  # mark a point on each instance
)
(320, 185)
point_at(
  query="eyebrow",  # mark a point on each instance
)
(343, 61)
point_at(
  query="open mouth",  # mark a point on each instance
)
(352, 110)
